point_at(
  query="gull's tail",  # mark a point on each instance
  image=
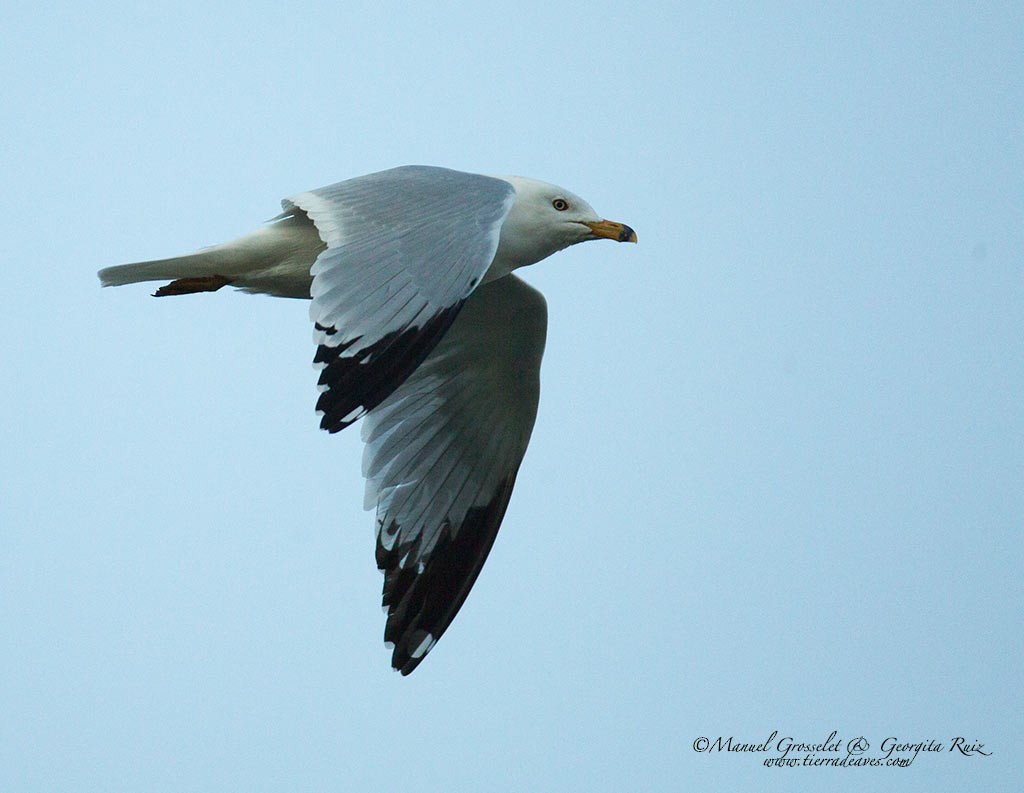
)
(203, 266)
(275, 259)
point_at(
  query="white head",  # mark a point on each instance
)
(546, 218)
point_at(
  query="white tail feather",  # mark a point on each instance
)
(197, 264)
(274, 259)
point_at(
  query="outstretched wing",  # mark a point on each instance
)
(442, 453)
(405, 248)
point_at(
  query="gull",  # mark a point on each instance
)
(423, 332)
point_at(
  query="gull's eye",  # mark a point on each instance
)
(560, 204)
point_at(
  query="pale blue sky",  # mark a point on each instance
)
(775, 482)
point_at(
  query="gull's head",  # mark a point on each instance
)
(546, 218)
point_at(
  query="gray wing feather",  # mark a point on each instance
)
(442, 452)
(405, 248)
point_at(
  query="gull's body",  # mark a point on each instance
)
(422, 328)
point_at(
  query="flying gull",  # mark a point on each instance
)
(422, 329)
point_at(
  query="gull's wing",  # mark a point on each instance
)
(441, 457)
(405, 248)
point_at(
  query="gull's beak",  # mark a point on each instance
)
(611, 230)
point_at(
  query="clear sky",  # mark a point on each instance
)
(776, 482)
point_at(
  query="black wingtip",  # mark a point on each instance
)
(422, 602)
(356, 382)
